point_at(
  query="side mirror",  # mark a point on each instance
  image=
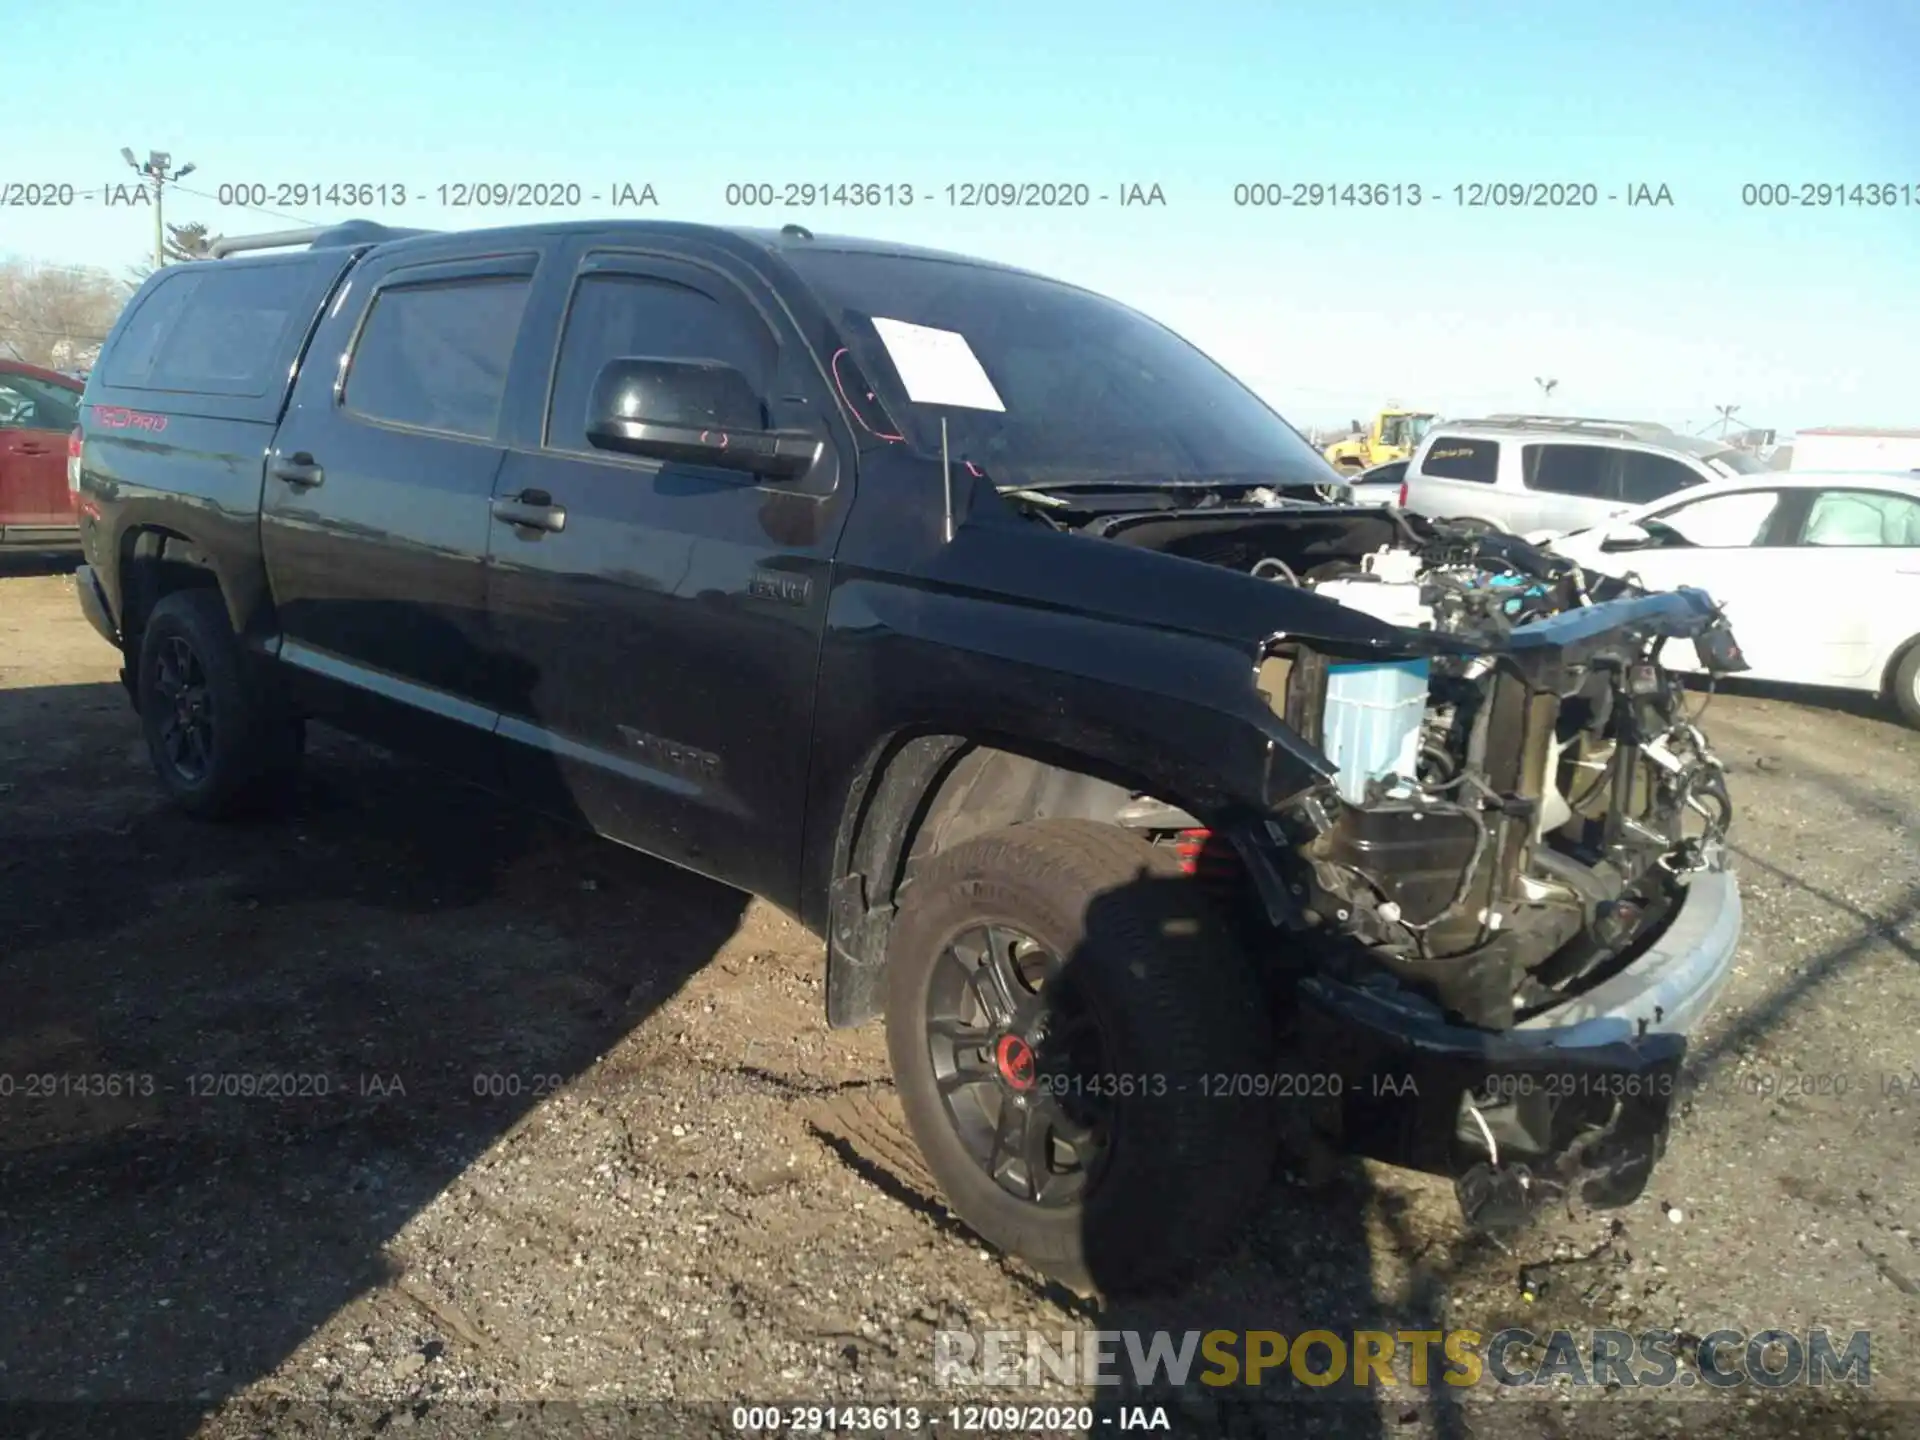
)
(1624, 536)
(699, 412)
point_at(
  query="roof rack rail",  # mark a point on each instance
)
(1579, 424)
(317, 237)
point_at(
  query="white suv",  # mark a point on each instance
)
(1529, 474)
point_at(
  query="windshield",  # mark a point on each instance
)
(1093, 391)
(1407, 430)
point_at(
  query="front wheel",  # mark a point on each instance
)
(1078, 1044)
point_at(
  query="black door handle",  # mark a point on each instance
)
(299, 471)
(531, 510)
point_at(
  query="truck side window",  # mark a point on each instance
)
(28, 403)
(1452, 458)
(16, 408)
(629, 315)
(435, 355)
(1584, 470)
(130, 361)
(213, 329)
(1645, 478)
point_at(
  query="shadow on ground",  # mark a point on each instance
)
(24, 563)
(237, 1060)
(1343, 1248)
(234, 1061)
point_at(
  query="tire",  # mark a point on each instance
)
(1906, 685)
(1147, 989)
(191, 670)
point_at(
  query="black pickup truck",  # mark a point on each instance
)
(1171, 808)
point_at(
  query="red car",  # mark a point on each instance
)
(38, 412)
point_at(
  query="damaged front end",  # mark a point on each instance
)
(1506, 831)
(1507, 903)
(1504, 824)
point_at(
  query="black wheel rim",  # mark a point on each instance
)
(1019, 1061)
(184, 710)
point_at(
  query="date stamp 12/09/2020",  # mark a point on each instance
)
(1281, 193)
(1786, 1084)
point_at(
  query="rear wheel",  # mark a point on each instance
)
(1066, 1021)
(1906, 685)
(220, 746)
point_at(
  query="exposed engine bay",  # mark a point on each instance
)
(1519, 790)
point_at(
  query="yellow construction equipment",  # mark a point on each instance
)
(1394, 435)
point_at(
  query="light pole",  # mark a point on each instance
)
(158, 168)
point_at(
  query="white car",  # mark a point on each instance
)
(1382, 485)
(1819, 571)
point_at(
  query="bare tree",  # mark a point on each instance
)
(188, 241)
(56, 315)
(184, 242)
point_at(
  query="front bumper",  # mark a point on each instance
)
(1575, 1100)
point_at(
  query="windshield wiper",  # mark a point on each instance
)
(1155, 479)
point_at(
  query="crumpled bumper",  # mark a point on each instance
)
(1574, 1101)
(1668, 989)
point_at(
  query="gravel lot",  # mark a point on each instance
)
(561, 1141)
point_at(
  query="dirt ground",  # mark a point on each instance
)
(545, 1136)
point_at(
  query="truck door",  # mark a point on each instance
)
(375, 516)
(1567, 487)
(35, 418)
(661, 638)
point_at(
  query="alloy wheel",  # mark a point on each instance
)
(1019, 1063)
(185, 719)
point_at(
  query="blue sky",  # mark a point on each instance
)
(1801, 315)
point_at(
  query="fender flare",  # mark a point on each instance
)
(920, 795)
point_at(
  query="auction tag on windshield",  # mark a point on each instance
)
(938, 367)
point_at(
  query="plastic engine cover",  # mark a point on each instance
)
(1371, 726)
